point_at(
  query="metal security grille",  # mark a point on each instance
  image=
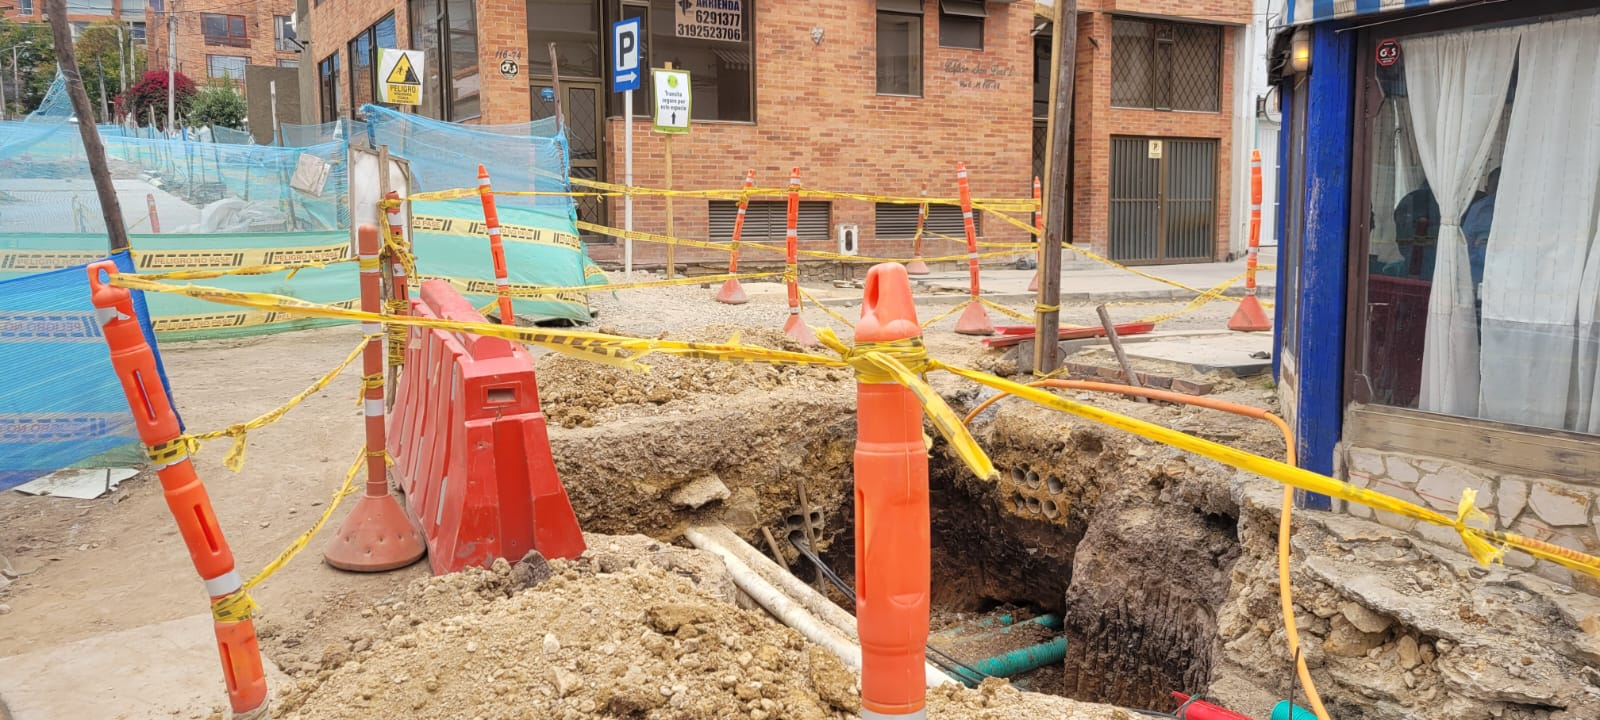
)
(580, 103)
(1041, 146)
(899, 222)
(1163, 200)
(1165, 65)
(766, 220)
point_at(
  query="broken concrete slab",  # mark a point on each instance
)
(78, 483)
(1228, 354)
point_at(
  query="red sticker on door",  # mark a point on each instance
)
(1389, 53)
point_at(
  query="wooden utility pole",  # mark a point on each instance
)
(67, 62)
(1047, 313)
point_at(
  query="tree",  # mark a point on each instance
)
(218, 104)
(36, 66)
(102, 52)
(150, 93)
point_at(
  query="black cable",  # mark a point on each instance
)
(837, 582)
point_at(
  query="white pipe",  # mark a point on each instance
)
(790, 600)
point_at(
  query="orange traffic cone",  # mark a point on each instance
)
(975, 320)
(917, 266)
(1250, 317)
(1038, 240)
(732, 293)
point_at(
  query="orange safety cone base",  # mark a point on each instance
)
(795, 329)
(975, 320)
(732, 293)
(1033, 285)
(1250, 317)
(916, 267)
(377, 536)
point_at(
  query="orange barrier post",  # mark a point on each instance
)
(1250, 317)
(399, 293)
(732, 293)
(497, 248)
(975, 319)
(892, 537)
(155, 219)
(185, 494)
(917, 266)
(377, 535)
(1038, 224)
(795, 328)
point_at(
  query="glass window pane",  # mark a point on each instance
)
(899, 54)
(574, 26)
(214, 25)
(715, 47)
(959, 31)
(360, 72)
(463, 70)
(425, 37)
(1132, 63)
(236, 26)
(219, 66)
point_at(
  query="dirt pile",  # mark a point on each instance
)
(632, 629)
(578, 393)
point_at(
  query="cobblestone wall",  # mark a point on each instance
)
(1543, 509)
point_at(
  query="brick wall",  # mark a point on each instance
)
(260, 30)
(502, 34)
(336, 23)
(1097, 122)
(817, 108)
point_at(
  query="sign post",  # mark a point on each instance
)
(399, 83)
(625, 79)
(672, 100)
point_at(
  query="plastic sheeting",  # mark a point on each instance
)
(540, 233)
(60, 402)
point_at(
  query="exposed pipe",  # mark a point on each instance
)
(1285, 592)
(1021, 660)
(790, 600)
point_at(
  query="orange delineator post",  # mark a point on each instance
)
(399, 292)
(891, 513)
(155, 219)
(377, 535)
(497, 248)
(975, 319)
(1038, 224)
(185, 494)
(1250, 317)
(732, 293)
(917, 266)
(794, 328)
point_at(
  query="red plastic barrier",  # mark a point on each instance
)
(1202, 710)
(473, 454)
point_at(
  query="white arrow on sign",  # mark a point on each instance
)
(627, 77)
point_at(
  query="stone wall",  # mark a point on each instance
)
(1544, 509)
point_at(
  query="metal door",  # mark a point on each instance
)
(580, 103)
(1163, 200)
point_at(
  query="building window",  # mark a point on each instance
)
(1480, 282)
(768, 220)
(961, 24)
(136, 31)
(900, 47)
(328, 87)
(225, 66)
(288, 63)
(447, 32)
(25, 7)
(1166, 66)
(283, 34)
(715, 45)
(225, 30)
(893, 221)
(364, 62)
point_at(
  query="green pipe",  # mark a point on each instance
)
(1285, 710)
(1017, 661)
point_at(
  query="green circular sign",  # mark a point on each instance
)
(672, 81)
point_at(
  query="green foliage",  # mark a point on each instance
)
(219, 104)
(36, 66)
(101, 56)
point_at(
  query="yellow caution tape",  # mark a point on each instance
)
(958, 308)
(238, 605)
(824, 308)
(605, 189)
(1003, 310)
(535, 291)
(234, 460)
(963, 241)
(246, 270)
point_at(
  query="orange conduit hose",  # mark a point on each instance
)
(1285, 592)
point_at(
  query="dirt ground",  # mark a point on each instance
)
(71, 556)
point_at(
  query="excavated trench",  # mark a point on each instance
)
(1131, 544)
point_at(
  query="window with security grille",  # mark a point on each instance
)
(767, 220)
(893, 221)
(1166, 65)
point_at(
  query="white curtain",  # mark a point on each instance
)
(1458, 85)
(1541, 277)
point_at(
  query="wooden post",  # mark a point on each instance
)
(1116, 348)
(671, 266)
(67, 61)
(1063, 58)
(555, 87)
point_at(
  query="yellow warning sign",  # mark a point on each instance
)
(401, 83)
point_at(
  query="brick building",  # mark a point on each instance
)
(864, 96)
(81, 13)
(219, 38)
